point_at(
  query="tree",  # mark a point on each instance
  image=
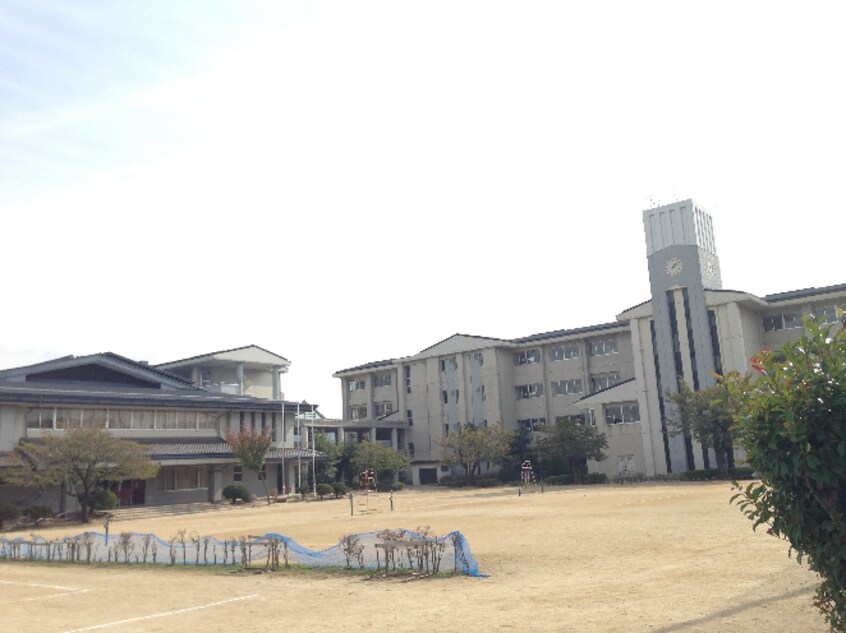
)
(82, 458)
(520, 449)
(472, 445)
(250, 447)
(793, 427)
(385, 462)
(573, 443)
(327, 469)
(705, 414)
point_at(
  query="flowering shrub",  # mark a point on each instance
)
(793, 425)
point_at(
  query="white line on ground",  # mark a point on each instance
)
(30, 584)
(162, 614)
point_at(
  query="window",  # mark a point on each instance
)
(411, 449)
(622, 413)
(446, 430)
(563, 387)
(529, 391)
(449, 364)
(527, 357)
(407, 371)
(381, 409)
(478, 358)
(786, 321)
(828, 314)
(205, 377)
(532, 424)
(598, 382)
(356, 385)
(358, 412)
(450, 396)
(409, 417)
(482, 393)
(39, 418)
(262, 474)
(382, 380)
(578, 418)
(238, 473)
(182, 478)
(602, 347)
(564, 352)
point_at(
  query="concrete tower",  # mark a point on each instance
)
(683, 262)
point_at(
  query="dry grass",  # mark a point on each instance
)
(650, 557)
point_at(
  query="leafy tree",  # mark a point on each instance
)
(705, 414)
(327, 469)
(472, 445)
(573, 443)
(82, 458)
(793, 425)
(250, 447)
(520, 449)
(385, 462)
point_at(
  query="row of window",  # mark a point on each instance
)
(599, 347)
(621, 413)
(381, 409)
(382, 380)
(598, 382)
(793, 320)
(356, 385)
(63, 418)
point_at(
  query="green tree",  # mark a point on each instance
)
(250, 447)
(81, 458)
(327, 469)
(793, 427)
(473, 445)
(572, 443)
(705, 415)
(385, 462)
(520, 448)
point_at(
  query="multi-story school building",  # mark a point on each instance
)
(612, 375)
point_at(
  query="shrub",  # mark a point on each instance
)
(235, 492)
(102, 499)
(39, 512)
(340, 489)
(742, 472)
(704, 474)
(453, 481)
(389, 486)
(596, 478)
(324, 489)
(304, 489)
(559, 480)
(8, 512)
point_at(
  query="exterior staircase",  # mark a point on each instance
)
(176, 509)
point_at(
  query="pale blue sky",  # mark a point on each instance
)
(342, 182)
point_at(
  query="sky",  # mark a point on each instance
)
(346, 182)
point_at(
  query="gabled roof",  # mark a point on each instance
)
(248, 354)
(102, 368)
(572, 332)
(458, 342)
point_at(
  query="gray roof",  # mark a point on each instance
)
(217, 449)
(54, 393)
(805, 292)
(571, 332)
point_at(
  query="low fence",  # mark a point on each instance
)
(392, 550)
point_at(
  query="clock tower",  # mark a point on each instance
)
(683, 263)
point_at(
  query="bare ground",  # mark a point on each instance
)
(649, 557)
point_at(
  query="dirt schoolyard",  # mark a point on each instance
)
(662, 557)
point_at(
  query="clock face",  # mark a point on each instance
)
(712, 267)
(673, 266)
